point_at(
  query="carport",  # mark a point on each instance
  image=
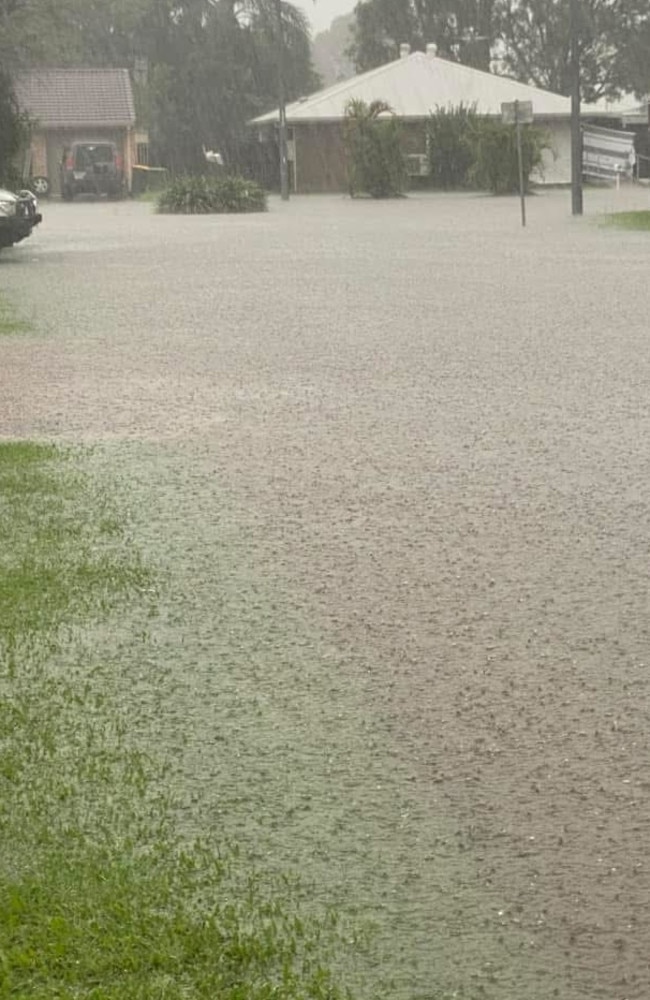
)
(72, 105)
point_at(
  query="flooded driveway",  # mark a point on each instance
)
(391, 462)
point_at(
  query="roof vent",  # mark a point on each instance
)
(432, 49)
(404, 50)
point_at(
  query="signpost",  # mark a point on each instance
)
(518, 113)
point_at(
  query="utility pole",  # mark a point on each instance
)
(576, 131)
(282, 111)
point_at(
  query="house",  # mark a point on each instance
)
(71, 105)
(414, 86)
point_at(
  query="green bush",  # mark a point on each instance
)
(495, 166)
(14, 134)
(375, 161)
(467, 151)
(187, 195)
(451, 135)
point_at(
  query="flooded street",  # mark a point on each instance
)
(390, 463)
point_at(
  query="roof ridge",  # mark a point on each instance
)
(339, 88)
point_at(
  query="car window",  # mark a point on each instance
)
(87, 155)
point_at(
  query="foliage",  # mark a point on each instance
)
(463, 30)
(451, 135)
(375, 160)
(495, 166)
(527, 39)
(614, 38)
(213, 67)
(99, 897)
(205, 67)
(14, 132)
(191, 195)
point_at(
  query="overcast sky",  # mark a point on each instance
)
(321, 13)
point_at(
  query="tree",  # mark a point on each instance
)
(212, 64)
(375, 161)
(463, 30)
(14, 131)
(214, 67)
(451, 140)
(496, 161)
(614, 40)
(527, 39)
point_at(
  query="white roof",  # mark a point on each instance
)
(415, 85)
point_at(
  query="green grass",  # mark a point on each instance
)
(629, 220)
(10, 323)
(99, 896)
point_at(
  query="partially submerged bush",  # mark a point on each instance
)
(496, 165)
(468, 151)
(451, 138)
(375, 160)
(188, 195)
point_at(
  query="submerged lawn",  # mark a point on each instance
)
(629, 220)
(98, 896)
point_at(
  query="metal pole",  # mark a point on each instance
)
(282, 111)
(576, 131)
(520, 162)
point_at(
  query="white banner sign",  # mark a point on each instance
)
(606, 153)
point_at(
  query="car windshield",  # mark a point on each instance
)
(88, 156)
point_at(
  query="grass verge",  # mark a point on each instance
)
(99, 897)
(629, 220)
(10, 323)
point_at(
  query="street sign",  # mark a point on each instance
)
(517, 112)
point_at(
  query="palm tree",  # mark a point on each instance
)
(372, 138)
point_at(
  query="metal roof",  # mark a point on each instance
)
(69, 98)
(416, 84)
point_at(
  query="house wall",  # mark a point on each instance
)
(320, 159)
(48, 146)
(320, 162)
(38, 166)
(321, 165)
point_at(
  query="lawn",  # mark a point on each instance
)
(99, 896)
(629, 220)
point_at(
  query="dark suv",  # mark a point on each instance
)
(92, 168)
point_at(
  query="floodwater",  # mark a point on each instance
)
(391, 463)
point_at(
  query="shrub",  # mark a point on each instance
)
(14, 133)
(187, 195)
(451, 136)
(495, 155)
(375, 161)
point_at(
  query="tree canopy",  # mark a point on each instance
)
(526, 39)
(614, 37)
(207, 66)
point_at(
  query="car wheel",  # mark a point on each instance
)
(40, 186)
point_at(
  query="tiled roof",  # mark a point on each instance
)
(415, 85)
(65, 98)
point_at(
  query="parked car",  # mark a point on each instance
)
(92, 168)
(18, 216)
